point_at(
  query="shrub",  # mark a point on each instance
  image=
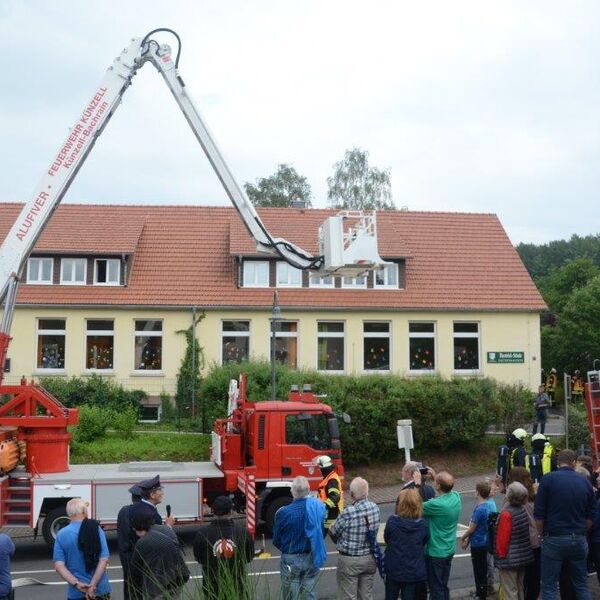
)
(514, 406)
(578, 427)
(93, 423)
(93, 390)
(168, 412)
(445, 413)
(125, 421)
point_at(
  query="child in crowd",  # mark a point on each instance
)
(477, 536)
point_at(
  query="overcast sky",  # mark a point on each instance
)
(474, 106)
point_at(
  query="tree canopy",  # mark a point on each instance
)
(355, 185)
(280, 189)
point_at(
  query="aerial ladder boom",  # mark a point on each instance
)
(344, 251)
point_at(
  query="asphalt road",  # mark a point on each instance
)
(33, 559)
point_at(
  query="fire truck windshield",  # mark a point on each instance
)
(309, 430)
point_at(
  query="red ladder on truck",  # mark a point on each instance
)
(592, 405)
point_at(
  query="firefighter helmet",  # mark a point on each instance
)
(539, 436)
(323, 461)
(519, 433)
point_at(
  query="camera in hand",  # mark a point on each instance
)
(423, 470)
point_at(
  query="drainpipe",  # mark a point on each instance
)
(194, 364)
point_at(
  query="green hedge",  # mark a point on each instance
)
(445, 413)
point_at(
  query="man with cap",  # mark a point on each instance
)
(223, 548)
(126, 536)
(152, 495)
(330, 490)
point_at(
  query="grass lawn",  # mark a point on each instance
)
(147, 446)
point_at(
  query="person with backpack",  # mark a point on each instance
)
(477, 536)
(223, 548)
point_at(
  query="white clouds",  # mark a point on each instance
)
(475, 106)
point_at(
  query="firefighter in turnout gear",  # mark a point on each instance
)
(551, 383)
(512, 454)
(577, 386)
(330, 490)
(542, 459)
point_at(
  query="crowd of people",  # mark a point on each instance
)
(536, 527)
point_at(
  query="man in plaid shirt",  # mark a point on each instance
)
(356, 565)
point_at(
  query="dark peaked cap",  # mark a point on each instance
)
(135, 490)
(150, 484)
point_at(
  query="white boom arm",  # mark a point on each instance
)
(21, 239)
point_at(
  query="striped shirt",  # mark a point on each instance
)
(349, 532)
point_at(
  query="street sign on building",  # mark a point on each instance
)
(505, 357)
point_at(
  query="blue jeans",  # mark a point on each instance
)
(298, 577)
(569, 549)
(438, 573)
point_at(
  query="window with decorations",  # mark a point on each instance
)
(286, 344)
(100, 337)
(376, 346)
(51, 334)
(235, 338)
(466, 346)
(421, 346)
(148, 345)
(330, 346)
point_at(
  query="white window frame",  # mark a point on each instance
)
(424, 335)
(467, 334)
(136, 334)
(287, 334)
(289, 272)
(107, 260)
(377, 334)
(332, 334)
(225, 334)
(99, 333)
(386, 277)
(318, 282)
(40, 260)
(354, 285)
(39, 332)
(74, 260)
(253, 284)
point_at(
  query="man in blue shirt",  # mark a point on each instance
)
(563, 510)
(70, 560)
(298, 534)
(7, 549)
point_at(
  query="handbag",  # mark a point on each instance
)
(375, 549)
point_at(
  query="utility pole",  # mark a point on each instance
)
(275, 318)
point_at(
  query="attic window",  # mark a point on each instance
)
(107, 271)
(256, 273)
(387, 277)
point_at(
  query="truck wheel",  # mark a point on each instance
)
(54, 521)
(273, 507)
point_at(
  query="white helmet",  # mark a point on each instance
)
(323, 461)
(520, 433)
(539, 436)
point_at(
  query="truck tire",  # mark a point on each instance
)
(273, 507)
(54, 521)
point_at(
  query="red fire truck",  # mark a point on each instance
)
(257, 450)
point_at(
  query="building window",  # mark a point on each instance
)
(256, 273)
(321, 282)
(51, 335)
(73, 271)
(354, 282)
(288, 276)
(107, 271)
(235, 341)
(421, 346)
(330, 346)
(148, 345)
(387, 277)
(286, 344)
(466, 346)
(376, 346)
(99, 344)
(40, 270)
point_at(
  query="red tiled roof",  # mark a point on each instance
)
(183, 257)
